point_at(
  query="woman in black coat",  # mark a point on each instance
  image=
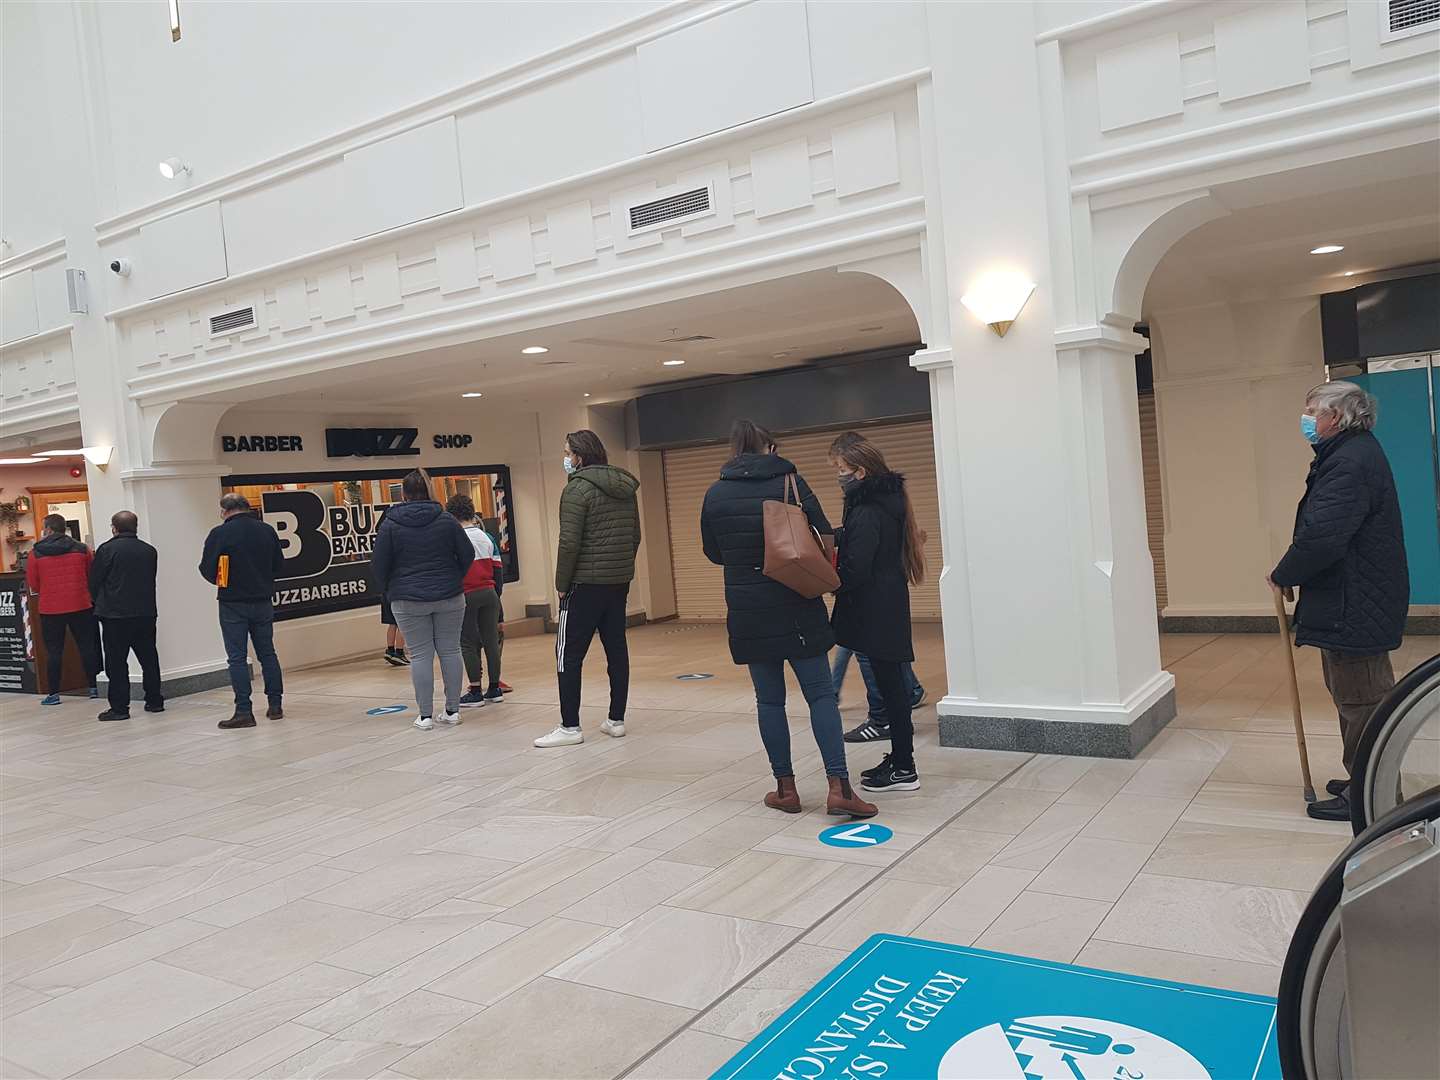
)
(881, 554)
(769, 623)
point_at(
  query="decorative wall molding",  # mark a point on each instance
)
(1112, 20)
(34, 258)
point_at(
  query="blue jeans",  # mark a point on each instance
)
(814, 675)
(255, 620)
(873, 697)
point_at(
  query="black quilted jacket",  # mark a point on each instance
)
(1348, 555)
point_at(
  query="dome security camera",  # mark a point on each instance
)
(121, 267)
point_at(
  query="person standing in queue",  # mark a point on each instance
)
(882, 551)
(599, 536)
(420, 559)
(58, 572)
(481, 628)
(769, 624)
(122, 581)
(242, 558)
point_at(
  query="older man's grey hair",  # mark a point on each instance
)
(232, 501)
(1354, 409)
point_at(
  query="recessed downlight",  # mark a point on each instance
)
(534, 350)
(21, 460)
(587, 393)
(472, 393)
(673, 363)
(1327, 249)
(1351, 273)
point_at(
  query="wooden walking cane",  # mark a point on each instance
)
(1284, 621)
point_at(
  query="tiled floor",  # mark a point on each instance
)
(340, 895)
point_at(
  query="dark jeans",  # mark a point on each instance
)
(81, 625)
(121, 637)
(814, 676)
(586, 609)
(875, 703)
(481, 628)
(255, 620)
(1356, 684)
(895, 690)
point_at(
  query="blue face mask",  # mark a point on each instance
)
(569, 465)
(1309, 430)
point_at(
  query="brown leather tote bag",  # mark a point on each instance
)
(794, 553)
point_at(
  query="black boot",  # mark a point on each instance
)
(239, 720)
(114, 714)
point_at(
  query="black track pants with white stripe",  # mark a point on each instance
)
(584, 610)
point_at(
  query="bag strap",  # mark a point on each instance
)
(791, 488)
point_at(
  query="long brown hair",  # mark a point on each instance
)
(415, 487)
(860, 453)
(748, 437)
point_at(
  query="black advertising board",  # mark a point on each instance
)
(17, 668)
(327, 523)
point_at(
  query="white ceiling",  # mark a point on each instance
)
(1384, 209)
(759, 327)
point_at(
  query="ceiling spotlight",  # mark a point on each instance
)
(472, 393)
(1327, 249)
(587, 393)
(75, 452)
(673, 363)
(21, 460)
(1351, 273)
(534, 350)
(172, 167)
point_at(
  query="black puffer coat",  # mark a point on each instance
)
(1348, 554)
(421, 553)
(766, 620)
(872, 608)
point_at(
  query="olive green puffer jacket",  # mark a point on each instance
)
(599, 528)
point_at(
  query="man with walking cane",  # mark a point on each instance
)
(1348, 560)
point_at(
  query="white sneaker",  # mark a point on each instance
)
(448, 717)
(424, 723)
(561, 736)
(614, 728)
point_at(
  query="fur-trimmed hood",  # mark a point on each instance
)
(887, 491)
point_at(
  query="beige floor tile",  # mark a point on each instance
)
(723, 842)
(1140, 819)
(74, 859)
(527, 955)
(746, 1010)
(1180, 744)
(1258, 806)
(1274, 759)
(413, 1021)
(405, 940)
(25, 906)
(691, 1055)
(266, 948)
(1181, 967)
(1163, 778)
(1100, 784)
(137, 1063)
(116, 957)
(64, 938)
(276, 894)
(259, 1053)
(975, 905)
(1044, 838)
(1047, 772)
(117, 1013)
(885, 907)
(951, 857)
(636, 893)
(977, 764)
(15, 999)
(336, 1059)
(678, 956)
(1282, 859)
(575, 888)
(410, 884)
(1044, 925)
(782, 889)
(535, 876)
(1234, 922)
(520, 837)
(1006, 810)
(602, 1035)
(1093, 869)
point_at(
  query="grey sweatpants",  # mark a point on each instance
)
(432, 627)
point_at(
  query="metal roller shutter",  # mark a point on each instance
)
(699, 585)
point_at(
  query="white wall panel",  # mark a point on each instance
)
(584, 121)
(405, 178)
(455, 265)
(1265, 48)
(382, 282)
(181, 251)
(861, 42)
(571, 233)
(512, 252)
(1139, 82)
(52, 302)
(780, 178)
(337, 294)
(179, 335)
(18, 315)
(724, 71)
(866, 155)
(292, 303)
(298, 215)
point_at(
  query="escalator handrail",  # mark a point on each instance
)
(1323, 902)
(1421, 674)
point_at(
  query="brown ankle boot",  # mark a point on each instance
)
(843, 801)
(784, 797)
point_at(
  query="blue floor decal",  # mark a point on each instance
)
(904, 1009)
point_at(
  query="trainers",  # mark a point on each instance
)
(561, 736)
(275, 711)
(452, 718)
(473, 699)
(112, 714)
(158, 706)
(887, 776)
(51, 699)
(494, 694)
(424, 723)
(393, 658)
(239, 720)
(404, 656)
(614, 728)
(94, 693)
(869, 731)
(917, 697)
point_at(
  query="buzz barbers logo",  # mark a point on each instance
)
(7, 605)
(371, 442)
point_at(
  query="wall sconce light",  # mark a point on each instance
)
(172, 167)
(996, 299)
(99, 456)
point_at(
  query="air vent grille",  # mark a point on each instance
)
(1406, 14)
(230, 321)
(659, 211)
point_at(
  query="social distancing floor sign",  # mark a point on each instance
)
(904, 1009)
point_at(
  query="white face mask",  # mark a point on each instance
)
(569, 464)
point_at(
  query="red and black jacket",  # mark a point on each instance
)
(58, 572)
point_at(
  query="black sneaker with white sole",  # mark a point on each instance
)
(393, 658)
(869, 731)
(473, 699)
(887, 776)
(494, 694)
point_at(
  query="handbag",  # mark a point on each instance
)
(795, 555)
